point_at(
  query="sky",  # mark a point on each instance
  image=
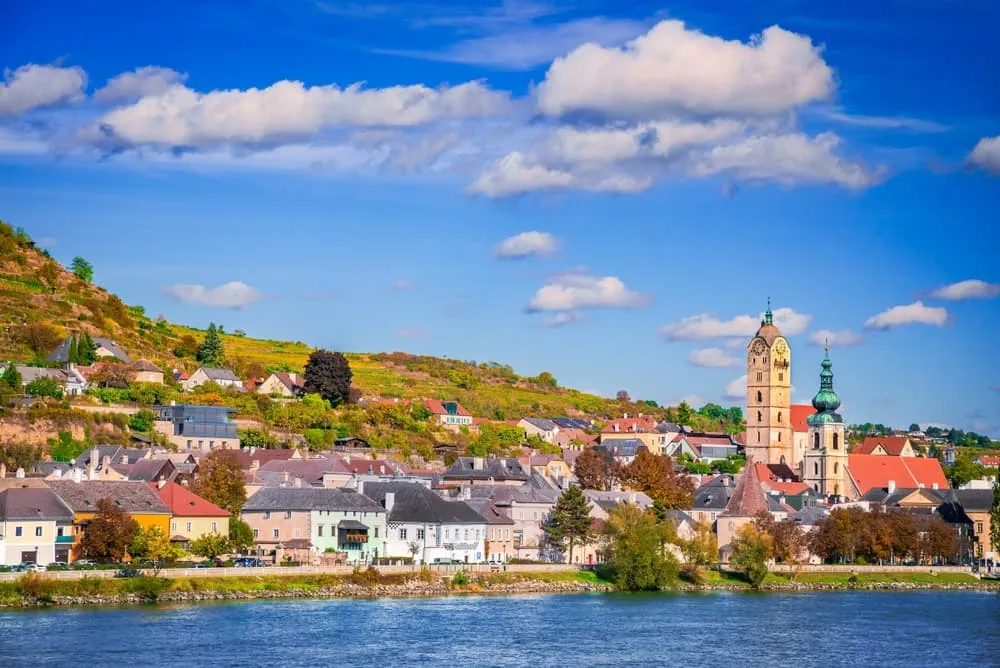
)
(607, 191)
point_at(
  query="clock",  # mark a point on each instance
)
(781, 347)
(757, 347)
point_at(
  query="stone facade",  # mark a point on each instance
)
(769, 380)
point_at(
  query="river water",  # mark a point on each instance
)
(715, 629)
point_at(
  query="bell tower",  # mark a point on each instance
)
(769, 385)
(824, 467)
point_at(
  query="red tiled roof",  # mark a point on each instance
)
(773, 475)
(436, 407)
(377, 466)
(893, 445)
(185, 503)
(799, 414)
(870, 471)
(748, 498)
(989, 460)
(632, 425)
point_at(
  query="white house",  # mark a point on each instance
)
(70, 380)
(282, 384)
(540, 427)
(222, 377)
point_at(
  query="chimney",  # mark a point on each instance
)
(934, 486)
(254, 465)
(892, 486)
(253, 449)
(106, 463)
(19, 473)
(57, 474)
(92, 464)
(297, 482)
(284, 476)
(466, 493)
(477, 463)
(161, 483)
(77, 474)
(347, 458)
(390, 501)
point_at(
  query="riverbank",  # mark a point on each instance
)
(34, 590)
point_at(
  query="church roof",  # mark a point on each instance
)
(748, 498)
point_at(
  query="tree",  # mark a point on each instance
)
(654, 475)
(995, 519)
(10, 380)
(963, 470)
(636, 557)
(40, 337)
(595, 469)
(20, 455)
(220, 480)
(50, 275)
(82, 269)
(622, 396)
(142, 420)
(751, 550)
(154, 544)
(187, 347)
(115, 374)
(570, 520)
(937, 539)
(210, 545)
(73, 357)
(211, 352)
(703, 548)
(914, 427)
(329, 375)
(86, 349)
(787, 538)
(44, 387)
(110, 534)
(240, 534)
(684, 413)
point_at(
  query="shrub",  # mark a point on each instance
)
(693, 573)
(461, 579)
(368, 577)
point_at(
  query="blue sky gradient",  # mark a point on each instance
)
(854, 172)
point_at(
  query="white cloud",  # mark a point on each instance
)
(672, 68)
(839, 339)
(181, 117)
(708, 326)
(139, 83)
(986, 154)
(787, 158)
(883, 122)
(515, 174)
(737, 388)
(525, 245)
(579, 290)
(712, 357)
(970, 289)
(562, 319)
(228, 295)
(35, 86)
(907, 315)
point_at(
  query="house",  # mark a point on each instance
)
(192, 427)
(642, 428)
(321, 521)
(977, 504)
(713, 498)
(573, 423)
(574, 438)
(35, 526)
(351, 443)
(105, 348)
(623, 450)
(528, 505)
(451, 414)
(780, 481)
(480, 470)
(702, 447)
(990, 461)
(747, 501)
(147, 470)
(885, 446)
(282, 385)
(499, 546)
(868, 471)
(944, 503)
(136, 499)
(540, 427)
(70, 380)
(145, 371)
(193, 516)
(550, 466)
(291, 473)
(222, 377)
(422, 526)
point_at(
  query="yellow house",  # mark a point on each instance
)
(136, 499)
(193, 516)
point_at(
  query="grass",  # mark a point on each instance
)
(728, 578)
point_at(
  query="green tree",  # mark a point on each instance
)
(570, 520)
(914, 427)
(684, 414)
(220, 480)
(20, 455)
(240, 534)
(210, 545)
(995, 519)
(64, 448)
(44, 387)
(82, 269)
(751, 550)
(329, 375)
(10, 379)
(73, 357)
(703, 548)
(963, 470)
(636, 555)
(211, 352)
(110, 534)
(154, 544)
(86, 349)
(142, 420)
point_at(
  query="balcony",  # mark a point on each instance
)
(65, 539)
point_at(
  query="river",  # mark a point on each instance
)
(714, 629)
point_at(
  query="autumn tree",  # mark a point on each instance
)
(50, 275)
(636, 554)
(329, 375)
(596, 469)
(702, 549)
(622, 396)
(114, 374)
(570, 520)
(220, 480)
(787, 538)
(82, 269)
(110, 534)
(154, 544)
(210, 545)
(211, 352)
(937, 539)
(751, 550)
(39, 336)
(655, 476)
(186, 347)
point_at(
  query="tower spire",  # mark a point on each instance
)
(768, 319)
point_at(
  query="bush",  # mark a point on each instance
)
(461, 579)
(44, 387)
(141, 421)
(368, 577)
(693, 573)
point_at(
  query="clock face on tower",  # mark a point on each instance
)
(781, 347)
(757, 347)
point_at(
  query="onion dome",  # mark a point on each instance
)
(826, 402)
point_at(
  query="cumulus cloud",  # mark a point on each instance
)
(673, 68)
(515, 174)
(580, 290)
(838, 338)
(970, 289)
(907, 315)
(34, 86)
(712, 357)
(986, 154)
(526, 244)
(563, 319)
(737, 388)
(233, 294)
(181, 117)
(139, 83)
(708, 326)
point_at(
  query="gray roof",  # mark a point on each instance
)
(535, 490)
(220, 374)
(668, 428)
(715, 494)
(809, 515)
(480, 468)
(573, 423)
(61, 354)
(621, 447)
(488, 511)
(541, 423)
(33, 503)
(975, 500)
(117, 453)
(132, 497)
(30, 373)
(415, 503)
(309, 498)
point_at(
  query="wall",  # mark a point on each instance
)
(287, 527)
(199, 526)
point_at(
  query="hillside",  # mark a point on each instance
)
(43, 302)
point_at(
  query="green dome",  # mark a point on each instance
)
(826, 402)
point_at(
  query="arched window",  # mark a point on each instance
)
(779, 416)
(760, 417)
(815, 468)
(758, 437)
(760, 396)
(779, 436)
(836, 441)
(816, 440)
(836, 468)
(782, 460)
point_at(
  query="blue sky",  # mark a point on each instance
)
(608, 194)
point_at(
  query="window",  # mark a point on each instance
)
(779, 437)
(816, 468)
(256, 533)
(760, 378)
(402, 534)
(18, 531)
(836, 468)
(189, 443)
(274, 532)
(779, 416)
(173, 527)
(376, 532)
(298, 533)
(267, 514)
(760, 395)
(979, 527)
(215, 527)
(836, 441)
(758, 437)
(38, 531)
(59, 531)
(201, 444)
(288, 514)
(781, 376)
(187, 526)
(319, 530)
(420, 534)
(816, 440)
(211, 444)
(760, 416)
(466, 535)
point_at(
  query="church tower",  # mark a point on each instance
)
(769, 384)
(824, 467)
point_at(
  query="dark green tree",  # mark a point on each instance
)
(73, 357)
(142, 420)
(82, 269)
(995, 519)
(11, 378)
(240, 534)
(86, 349)
(914, 427)
(570, 520)
(211, 352)
(329, 375)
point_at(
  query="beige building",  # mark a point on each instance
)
(145, 371)
(282, 385)
(193, 516)
(35, 526)
(769, 382)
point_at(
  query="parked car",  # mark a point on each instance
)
(247, 562)
(83, 563)
(445, 561)
(34, 568)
